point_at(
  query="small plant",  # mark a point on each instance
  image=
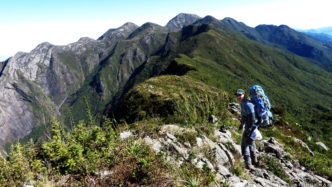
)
(191, 156)
(225, 184)
(210, 154)
(202, 177)
(275, 167)
(186, 136)
(206, 168)
(192, 182)
(236, 168)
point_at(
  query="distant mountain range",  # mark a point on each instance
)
(325, 30)
(284, 37)
(293, 67)
(322, 34)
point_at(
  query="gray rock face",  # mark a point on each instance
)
(124, 31)
(34, 86)
(219, 155)
(292, 168)
(181, 20)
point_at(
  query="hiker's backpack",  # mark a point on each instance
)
(262, 106)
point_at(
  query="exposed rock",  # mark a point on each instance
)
(126, 28)
(304, 145)
(234, 108)
(219, 155)
(321, 144)
(126, 134)
(213, 119)
(34, 86)
(103, 174)
(272, 146)
(181, 20)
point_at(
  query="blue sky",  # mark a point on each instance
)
(26, 23)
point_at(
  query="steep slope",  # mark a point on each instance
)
(202, 56)
(56, 80)
(107, 83)
(286, 38)
(227, 61)
(298, 43)
(150, 74)
(320, 36)
(35, 85)
(181, 20)
(242, 28)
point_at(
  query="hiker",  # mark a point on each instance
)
(248, 118)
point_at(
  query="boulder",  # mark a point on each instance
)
(234, 108)
(272, 146)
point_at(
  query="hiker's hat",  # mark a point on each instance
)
(239, 92)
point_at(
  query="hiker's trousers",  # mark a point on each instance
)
(248, 146)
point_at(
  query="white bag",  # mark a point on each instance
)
(256, 135)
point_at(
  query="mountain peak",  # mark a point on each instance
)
(211, 20)
(146, 27)
(150, 24)
(231, 22)
(127, 28)
(181, 20)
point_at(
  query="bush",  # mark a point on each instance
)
(79, 156)
(275, 167)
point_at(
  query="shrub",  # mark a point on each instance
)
(275, 167)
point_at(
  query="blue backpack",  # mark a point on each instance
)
(262, 106)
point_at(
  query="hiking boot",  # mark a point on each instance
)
(249, 166)
(255, 160)
(253, 154)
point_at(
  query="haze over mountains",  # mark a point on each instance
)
(326, 30)
(55, 80)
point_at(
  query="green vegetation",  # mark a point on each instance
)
(79, 156)
(181, 78)
(173, 98)
(275, 167)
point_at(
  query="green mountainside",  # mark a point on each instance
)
(150, 76)
(228, 61)
(287, 38)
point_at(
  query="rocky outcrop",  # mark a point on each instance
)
(181, 20)
(34, 86)
(234, 108)
(296, 173)
(220, 153)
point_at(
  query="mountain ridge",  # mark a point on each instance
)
(108, 42)
(59, 80)
(288, 39)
